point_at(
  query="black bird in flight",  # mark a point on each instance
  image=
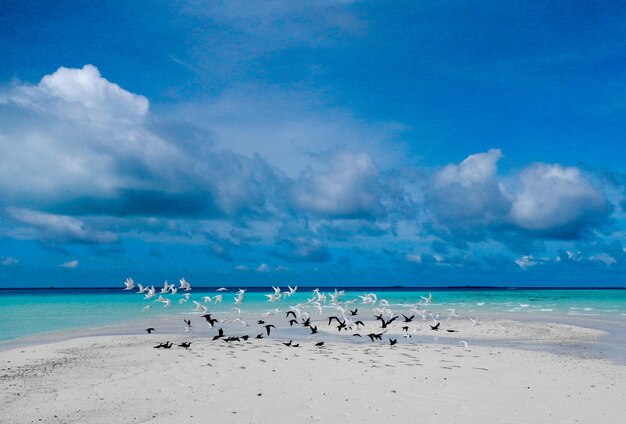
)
(292, 313)
(393, 341)
(292, 322)
(353, 313)
(435, 327)
(150, 330)
(386, 323)
(210, 320)
(359, 322)
(245, 338)
(342, 325)
(318, 344)
(185, 345)
(259, 336)
(313, 329)
(330, 320)
(379, 316)
(260, 321)
(357, 335)
(267, 328)
(188, 322)
(377, 336)
(408, 319)
(452, 331)
(306, 323)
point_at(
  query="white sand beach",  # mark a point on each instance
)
(123, 379)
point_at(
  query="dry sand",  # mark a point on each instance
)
(123, 379)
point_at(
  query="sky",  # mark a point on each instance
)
(245, 143)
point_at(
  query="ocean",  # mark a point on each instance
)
(34, 312)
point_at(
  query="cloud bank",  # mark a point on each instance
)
(86, 162)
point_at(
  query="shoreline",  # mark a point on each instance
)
(577, 336)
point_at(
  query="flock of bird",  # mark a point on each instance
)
(343, 314)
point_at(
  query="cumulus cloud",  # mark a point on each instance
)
(82, 95)
(557, 202)
(347, 186)
(70, 264)
(84, 160)
(467, 198)
(78, 144)
(76, 134)
(471, 202)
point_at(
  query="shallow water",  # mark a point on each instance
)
(28, 312)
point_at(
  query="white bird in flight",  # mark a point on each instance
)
(130, 284)
(184, 285)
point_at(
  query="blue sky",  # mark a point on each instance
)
(328, 142)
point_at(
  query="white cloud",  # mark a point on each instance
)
(526, 261)
(557, 199)
(77, 134)
(346, 185)
(605, 258)
(80, 94)
(471, 202)
(468, 196)
(70, 265)
(263, 268)
(476, 169)
(78, 141)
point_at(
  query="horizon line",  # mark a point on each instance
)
(471, 286)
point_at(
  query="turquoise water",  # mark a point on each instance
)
(28, 312)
